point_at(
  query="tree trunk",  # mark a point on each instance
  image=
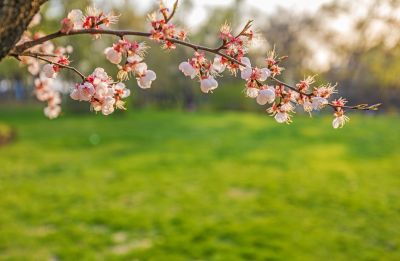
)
(15, 16)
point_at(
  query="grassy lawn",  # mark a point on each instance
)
(199, 186)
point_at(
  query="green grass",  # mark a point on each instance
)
(199, 186)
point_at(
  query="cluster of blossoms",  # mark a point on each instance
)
(281, 99)
(45, 71)
(340, 119)
(45, 93)
(46, 49)
(98, 88)
(101, 92)
(93, 19)
(45, 61)
(162, 30)
(203, 69)
(51, 70)
(134, 62)
(233, 46)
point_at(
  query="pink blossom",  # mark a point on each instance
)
(52, 112)
(318, 102)
(108, 106)
(247, 70)
(145, 80)
(112, 55)
(208, 84)
(121, 90)
(266, 96)
(134, 59)
(264, 73)
(282, 117)
(76, 17)
(50, 71)
(103, 91)
(218, 65)
(187, 69)
(339, 121)
(34, 68)
(101, 74)
(83, 92)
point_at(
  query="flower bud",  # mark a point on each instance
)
(112, 55)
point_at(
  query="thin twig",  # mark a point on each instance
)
(55, 63)
(173, 11)
(245, 28)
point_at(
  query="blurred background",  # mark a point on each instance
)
(187, 176)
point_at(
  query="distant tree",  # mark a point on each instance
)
(370, 56)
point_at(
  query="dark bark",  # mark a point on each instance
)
(15, 16)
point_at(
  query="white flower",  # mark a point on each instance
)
(121, 89)
(140, 68)
(282, 117)
(34, 68)
(108, 106)
(83, 92)
(245, 61)
(103, 91)
(217, 65)
(294, 96)
(318, 102)
(76, 17)
(55, 99)
(112, 55)
(287, 107)
(49, 71)
(134, 59)
(42, 90)
(52, 112)
(95, 105)
(208, 84)
(339, 121)
(247, 70)
(187, 69)
(245, 74)
(145, 80)
(42, 95)
(47, 47)
(101, 74)
(266, 96)
(264, 74)
(252, 92)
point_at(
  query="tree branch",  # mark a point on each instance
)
(19, 50)
(39, 56)
(173, 11)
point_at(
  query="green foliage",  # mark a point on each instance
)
(199, 186)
